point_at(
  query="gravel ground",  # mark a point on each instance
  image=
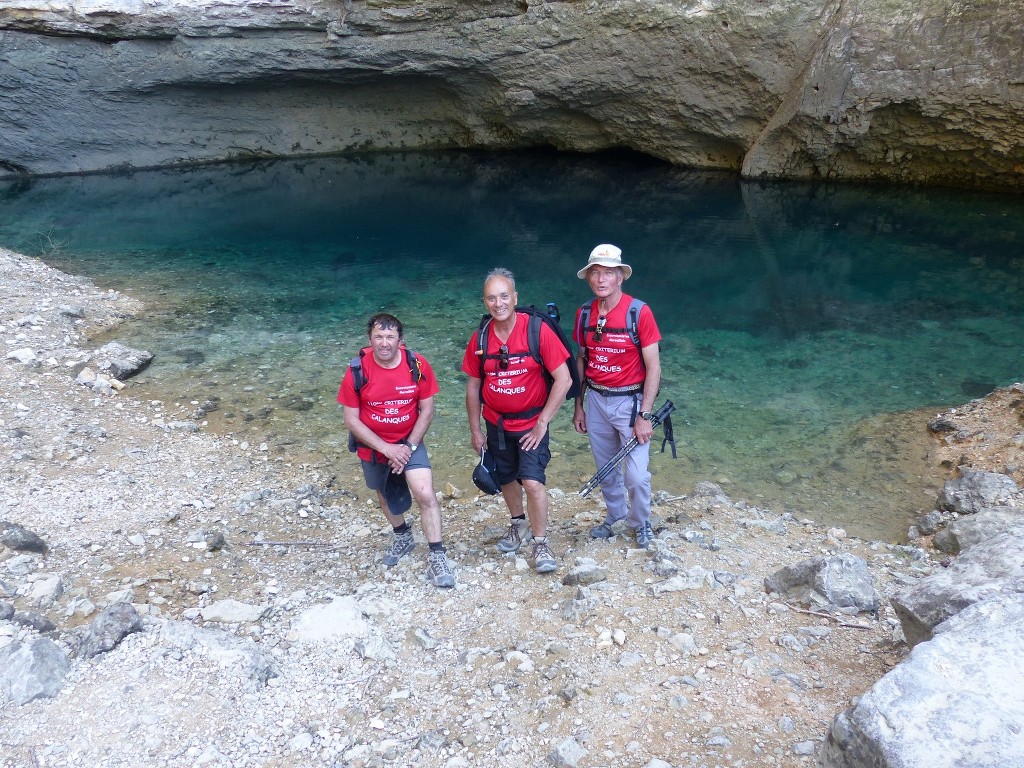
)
(677, 655)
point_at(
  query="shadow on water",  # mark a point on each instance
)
(802, 323)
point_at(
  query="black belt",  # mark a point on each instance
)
(527, 414)
(632, 389)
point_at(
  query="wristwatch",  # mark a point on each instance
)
(645, 415)
(413, 447)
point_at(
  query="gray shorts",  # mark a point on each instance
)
(393, 487)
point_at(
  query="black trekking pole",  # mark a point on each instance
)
(659, 416)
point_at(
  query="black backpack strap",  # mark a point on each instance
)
(414, 366)
(632, 321)
(533, 338)
(527, 414)
(481, 344)
(358, 382)
(584, 320)
(581, 332)
(358, 377)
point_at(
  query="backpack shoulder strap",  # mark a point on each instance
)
(584, 319)
(414, 366)
(633, 319)
(533, 335)
(481, 344)
(358, 377)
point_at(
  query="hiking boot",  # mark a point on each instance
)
(644, 535)
(401, 545)
(543, 560)
(602, 531)
(518, 532)
(439, 569)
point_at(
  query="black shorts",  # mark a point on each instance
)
(514, 463)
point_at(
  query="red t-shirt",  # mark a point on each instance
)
(521, 385)
(389, 400)
(615, 361)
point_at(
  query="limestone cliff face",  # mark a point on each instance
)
(907, 90)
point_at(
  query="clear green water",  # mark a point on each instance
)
(801, 322)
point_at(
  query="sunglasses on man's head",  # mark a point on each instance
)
(599, 330)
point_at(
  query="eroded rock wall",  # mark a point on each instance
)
(885, 89)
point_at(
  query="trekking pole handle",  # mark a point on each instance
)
(662, 413)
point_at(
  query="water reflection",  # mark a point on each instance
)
(797, 319)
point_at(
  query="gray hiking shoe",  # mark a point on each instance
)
(439, 568)
(543, 560)
(644, 535)
(518, 532)
(602, 531)
(401, 545)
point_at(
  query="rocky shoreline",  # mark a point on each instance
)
(193, 601)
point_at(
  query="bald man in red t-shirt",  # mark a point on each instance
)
(517, 405)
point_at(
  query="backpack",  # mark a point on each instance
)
(537, 318)
(359, 381)
(633, 315)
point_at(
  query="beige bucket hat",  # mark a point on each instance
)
(606, 255)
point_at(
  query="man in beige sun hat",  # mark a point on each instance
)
(620, 369)
(606, 255)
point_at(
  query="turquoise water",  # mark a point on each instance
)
(801, 321)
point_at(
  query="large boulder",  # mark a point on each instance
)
(32, 669)
(21, 539)
(238, 657)
(954, 703)
(974, 491)
(965, 532)
(108, 629)
(993, 568)
(840, 581)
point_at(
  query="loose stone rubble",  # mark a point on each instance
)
(197, 602)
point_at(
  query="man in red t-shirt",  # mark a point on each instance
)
(518, 404)
(620, 366)
(388, 401)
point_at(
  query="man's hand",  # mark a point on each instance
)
(478, 440)
(579, 419)
(643, 430)
(532, 439)
(398, 456)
